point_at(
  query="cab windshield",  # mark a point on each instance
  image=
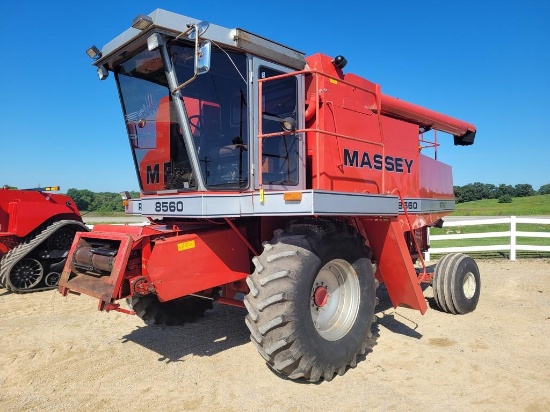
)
(216, 105)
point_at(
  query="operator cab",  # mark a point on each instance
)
(192, 114)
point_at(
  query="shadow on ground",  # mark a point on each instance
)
(221, 328)
(393, 320)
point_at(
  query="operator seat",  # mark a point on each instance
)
(226, 161)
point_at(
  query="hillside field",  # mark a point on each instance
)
(521, 206)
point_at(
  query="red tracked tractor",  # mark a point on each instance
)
(37, 228)
(272, 181)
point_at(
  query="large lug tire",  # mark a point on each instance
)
(311, 301)
(456, 284)
(171, 313)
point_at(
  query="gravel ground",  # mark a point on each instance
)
(61, 354)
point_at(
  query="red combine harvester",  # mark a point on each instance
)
(272, 181)
(37, 228)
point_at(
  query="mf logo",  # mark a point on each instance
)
(153, 175)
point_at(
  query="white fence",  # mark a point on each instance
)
(513, 234)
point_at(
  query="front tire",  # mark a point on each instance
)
(311, 301)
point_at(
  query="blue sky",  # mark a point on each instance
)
(485, 62)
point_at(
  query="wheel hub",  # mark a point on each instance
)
(320, 296)
(469, 285)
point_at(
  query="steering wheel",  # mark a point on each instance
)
(196, 121)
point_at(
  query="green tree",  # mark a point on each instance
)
(490, 191)
(524, 190)
(83, 198)
(475, 191)
(107, 202)
(544, 189)
(505, 199)
(505, 190)
(458, 194)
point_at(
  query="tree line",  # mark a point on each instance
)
(103, 202)
(504, 193)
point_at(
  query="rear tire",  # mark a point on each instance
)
(311, 301)
(456, 284)
(171, 313)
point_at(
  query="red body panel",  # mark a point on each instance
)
(190, 263)
(395, 266)
(22, 211)
(353, 146)
(359, 140)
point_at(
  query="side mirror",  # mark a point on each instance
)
(202, 50)
(202, 57)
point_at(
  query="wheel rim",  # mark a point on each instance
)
(26, 274)
(52, 278)
(469, 285)
(334, 300)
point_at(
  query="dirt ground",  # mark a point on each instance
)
(61, 354)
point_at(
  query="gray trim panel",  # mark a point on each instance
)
(314, 202)
(427, 205)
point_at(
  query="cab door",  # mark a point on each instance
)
(282, 164)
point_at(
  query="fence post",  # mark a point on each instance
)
(427, 252)
(512, 238)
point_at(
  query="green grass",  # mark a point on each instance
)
(520, 206)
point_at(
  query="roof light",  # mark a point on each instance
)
(142, 22)
(93, 52)
(102, 72)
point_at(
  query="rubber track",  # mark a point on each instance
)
(28, 245)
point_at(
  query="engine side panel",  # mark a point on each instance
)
(190, 263)
(22, 211)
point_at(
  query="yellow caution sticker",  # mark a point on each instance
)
(190, 244)
(334, 81)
